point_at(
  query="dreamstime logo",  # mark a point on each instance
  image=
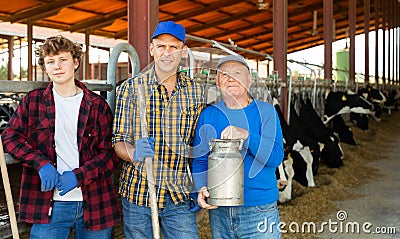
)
(341, 215)
(340, 226)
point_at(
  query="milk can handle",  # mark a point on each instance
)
(211, 143)
(241, 144)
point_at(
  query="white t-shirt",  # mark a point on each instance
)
(66, 128)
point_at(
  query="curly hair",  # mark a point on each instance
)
(56, 44)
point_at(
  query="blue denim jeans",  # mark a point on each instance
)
(176, 221)
(65, 217)
(258, 222)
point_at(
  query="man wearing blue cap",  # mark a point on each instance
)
(173, 104)
(239, 116)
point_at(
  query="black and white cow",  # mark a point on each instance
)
(8, 105)
(360, 120)
(5, 114)
(345, 102)
(296, 164)
(392, 100)
(299, 156)
(331, 152)
(338, 103)
(306, 138)
(375, 97)
(343, 130)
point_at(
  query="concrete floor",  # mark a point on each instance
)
(378, 202)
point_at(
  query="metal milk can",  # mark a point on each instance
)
(226, 172)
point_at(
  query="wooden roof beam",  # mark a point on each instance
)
(222, 21)
(265, 34)
(162, 2)
(268, 32)
(209, 8)
(303, 43)
(94, 21)
(121, 34)
(52, 6)
(102, 33)
(43, 15)
(239, 29)
(98, 26)
(340, 22)
(300, 43)
(247, 14)
(53, 25)
(240, 16)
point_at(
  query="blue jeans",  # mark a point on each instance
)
(257, 222)
(65, 216)
(176, 221)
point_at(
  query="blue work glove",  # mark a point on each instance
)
(67, 182)
(194, 205)
(144, 148)
(49, 177)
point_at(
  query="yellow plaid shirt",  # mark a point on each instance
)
(172, 122)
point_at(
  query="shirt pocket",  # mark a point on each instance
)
(187, 119)
(39, 131)
(90, 139)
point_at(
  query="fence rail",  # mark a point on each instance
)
(26, 86)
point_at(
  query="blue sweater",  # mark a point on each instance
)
(263, 150)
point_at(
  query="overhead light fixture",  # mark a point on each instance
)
(261, 5)
(231, 42)
(333, 28)
(315, 24)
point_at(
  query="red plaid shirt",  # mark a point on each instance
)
(29, 138)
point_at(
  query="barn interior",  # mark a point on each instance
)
(262, 31)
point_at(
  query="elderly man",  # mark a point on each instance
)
(239, 116)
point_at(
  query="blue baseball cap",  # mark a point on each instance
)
(237, 58)
(172, 28)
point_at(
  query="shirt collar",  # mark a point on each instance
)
(49, 88)
(182, 79)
